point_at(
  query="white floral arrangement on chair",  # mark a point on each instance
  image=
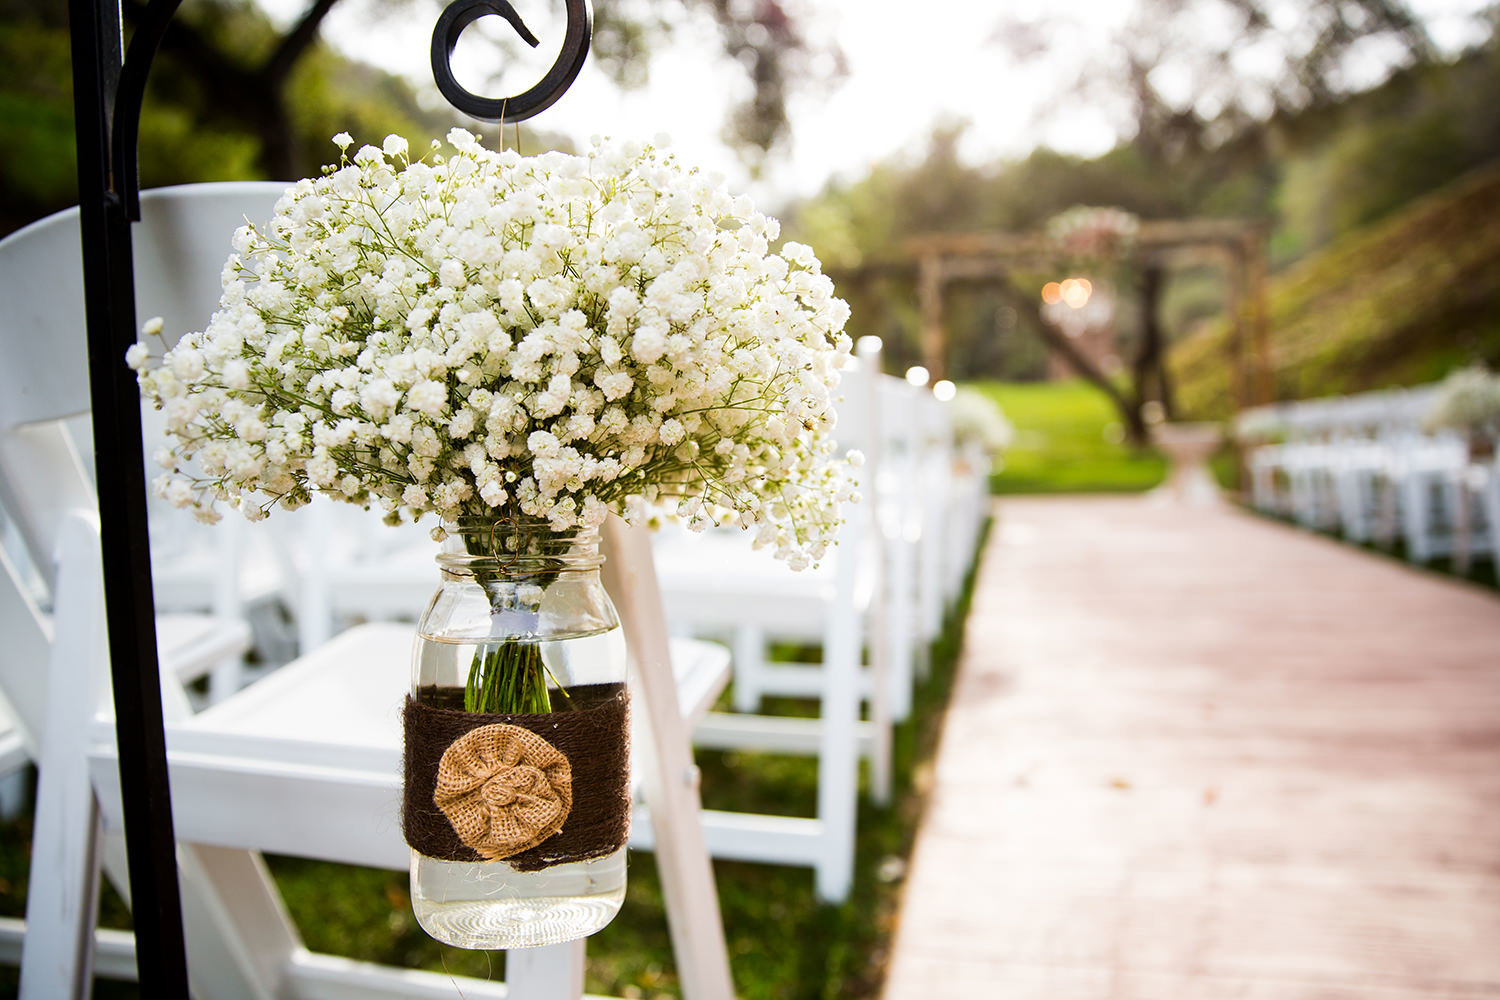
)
(480, 332)
(979, 423)
(1091, 233)
(1261, 425)
(1468, 401)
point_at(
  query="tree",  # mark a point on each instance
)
(1186, 75)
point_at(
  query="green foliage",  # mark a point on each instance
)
(336, 95)
(1400, 302)
(1068, 440)
(36, 117)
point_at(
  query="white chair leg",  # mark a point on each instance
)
(227, 675)
(880, 716)
(669, 778)
(57, 956)
(551, 973)
(898, 624)
(1416, 518)
(1350, 505)
(1489, 499)
(838, 752)
(240, 940)
(749, 650)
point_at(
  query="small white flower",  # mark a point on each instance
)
(428, 397)
(671, 431)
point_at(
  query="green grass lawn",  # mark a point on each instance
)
(1068, 440)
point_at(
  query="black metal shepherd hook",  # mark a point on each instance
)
(107, 92)
(460, 14)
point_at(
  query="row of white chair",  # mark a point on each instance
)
(1363, 466)
(873, 608)
(882, 597)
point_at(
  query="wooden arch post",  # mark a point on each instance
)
(930, 295)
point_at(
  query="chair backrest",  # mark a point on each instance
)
(856, 425)
(180, 244)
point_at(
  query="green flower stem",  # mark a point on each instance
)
(508, 678)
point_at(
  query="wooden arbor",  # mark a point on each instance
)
(941, 260)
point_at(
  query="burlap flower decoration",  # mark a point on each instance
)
(505, 789)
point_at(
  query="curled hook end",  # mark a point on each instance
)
(521, 29)
(459, 14)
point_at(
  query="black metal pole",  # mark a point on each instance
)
(109, 293)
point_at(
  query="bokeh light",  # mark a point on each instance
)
(1076, 292)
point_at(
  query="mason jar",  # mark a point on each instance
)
(517, 801)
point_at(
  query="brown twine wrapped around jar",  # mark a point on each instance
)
(534, 790)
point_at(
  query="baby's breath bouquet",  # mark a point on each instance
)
(1090, 234)
(1467, 401)
(979, 423)
(477, 334)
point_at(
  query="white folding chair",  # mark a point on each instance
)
(350, 567)
(268, 768)
(200, 573)
(1425, 471)
(715, 584)
(41, 260)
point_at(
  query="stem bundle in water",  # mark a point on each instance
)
(509, 678)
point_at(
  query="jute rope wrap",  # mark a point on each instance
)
(533, 790)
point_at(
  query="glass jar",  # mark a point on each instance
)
(521, 630)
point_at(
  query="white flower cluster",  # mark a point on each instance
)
(1094, 234)
(1260, 425)
(1468, 400)
(978, 422)
(482, 332)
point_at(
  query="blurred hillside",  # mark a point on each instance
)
(1398, 302)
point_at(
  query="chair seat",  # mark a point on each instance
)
(190, 646)
(307, 761)
(717, 581)
(393, 584)
(185, 581)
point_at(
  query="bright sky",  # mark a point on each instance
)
(910, 65)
